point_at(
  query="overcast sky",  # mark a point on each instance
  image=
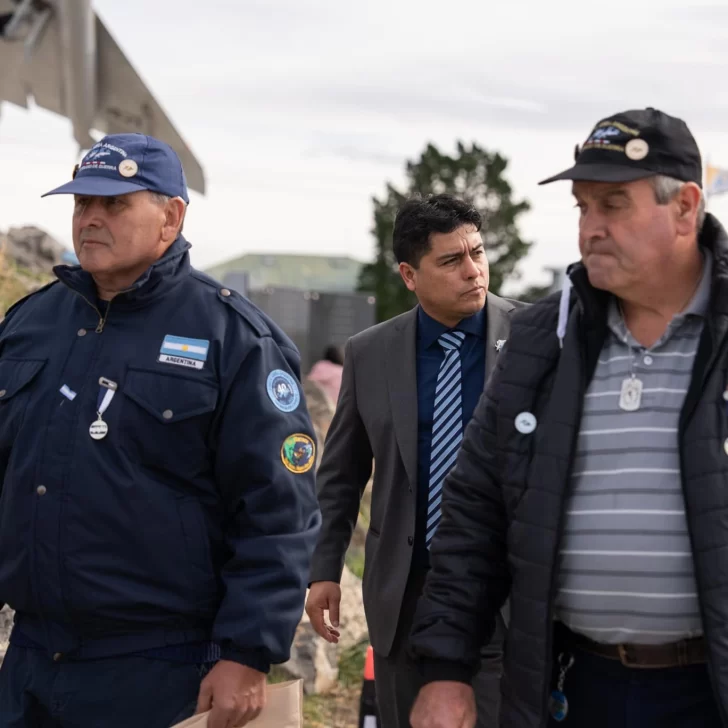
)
(301, 110)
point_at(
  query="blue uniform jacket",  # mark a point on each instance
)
(195, 518)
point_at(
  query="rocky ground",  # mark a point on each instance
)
(336, 709)
(27, 257)
(33, 250)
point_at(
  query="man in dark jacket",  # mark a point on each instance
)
(591, 483)
(158, 509)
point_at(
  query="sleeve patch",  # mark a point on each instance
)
(283, 390)
(298, 453)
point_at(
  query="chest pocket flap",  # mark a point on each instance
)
(16, 374)
(168, 398)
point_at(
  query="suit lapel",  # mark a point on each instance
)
(498, 328)
(402, 385)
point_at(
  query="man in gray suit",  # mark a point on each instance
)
(409, 388)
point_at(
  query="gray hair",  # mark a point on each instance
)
(665, 190)
(162, 199)
(159, 198)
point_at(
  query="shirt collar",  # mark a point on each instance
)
(429, 330)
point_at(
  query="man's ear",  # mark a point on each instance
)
(688, 204)
(175, 211)
(408, 275)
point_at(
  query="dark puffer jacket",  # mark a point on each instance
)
(503, 508)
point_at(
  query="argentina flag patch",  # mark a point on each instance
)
(184, 352)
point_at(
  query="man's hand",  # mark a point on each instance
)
(324, 596)
(235, 693)
(444, 704)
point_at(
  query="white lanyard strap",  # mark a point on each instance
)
(106, 401)
(106, 394)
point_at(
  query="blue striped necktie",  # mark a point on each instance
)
(447, 425)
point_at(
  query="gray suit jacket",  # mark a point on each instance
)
(376, 420)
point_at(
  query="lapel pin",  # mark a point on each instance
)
(499, 344)
(526, 423)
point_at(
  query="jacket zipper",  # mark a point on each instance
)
(102, 319)
(559, 538)
(100, 325)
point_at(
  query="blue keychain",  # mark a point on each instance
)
(558, 704)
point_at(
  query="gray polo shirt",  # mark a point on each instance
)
(625, 567)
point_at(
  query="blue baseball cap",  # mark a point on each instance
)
(124, 163)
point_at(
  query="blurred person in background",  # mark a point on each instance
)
(327, 372)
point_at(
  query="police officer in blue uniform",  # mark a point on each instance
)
(158, 509)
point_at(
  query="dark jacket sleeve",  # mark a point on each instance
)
(273, 515)
(345, 469)
(469, 580)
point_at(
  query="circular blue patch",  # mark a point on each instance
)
(283, 390)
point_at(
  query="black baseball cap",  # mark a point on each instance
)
(633, 145)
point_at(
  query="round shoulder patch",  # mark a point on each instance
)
(283, 390)
(298, 453)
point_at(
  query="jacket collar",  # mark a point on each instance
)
(159, 278)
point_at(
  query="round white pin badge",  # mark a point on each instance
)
(128, 168)
(637, 149)
(525, 423)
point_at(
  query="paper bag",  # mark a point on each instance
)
(283, 709)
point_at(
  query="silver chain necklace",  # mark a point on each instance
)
(630, 396)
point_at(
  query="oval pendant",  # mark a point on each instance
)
(558, 705)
